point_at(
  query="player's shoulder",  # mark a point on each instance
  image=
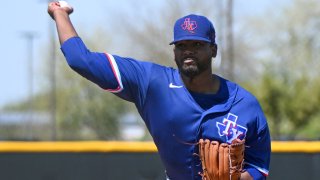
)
(147, 68)
(242, 94)
(248, 101)
(141, 62)
(163, 70)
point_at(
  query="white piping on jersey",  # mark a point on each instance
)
(116, 73)
(262, 170)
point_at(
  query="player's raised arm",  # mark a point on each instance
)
(59, 11)
(100, 68)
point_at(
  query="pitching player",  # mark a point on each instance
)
(179, 106)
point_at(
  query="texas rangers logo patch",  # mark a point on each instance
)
(230, 128)
(189, 25)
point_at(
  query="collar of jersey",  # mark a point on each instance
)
(232, 89)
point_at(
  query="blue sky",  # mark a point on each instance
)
(31, 16)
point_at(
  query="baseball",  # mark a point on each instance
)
(65, 4)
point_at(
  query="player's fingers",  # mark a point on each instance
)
(51, 7)
(60, 5)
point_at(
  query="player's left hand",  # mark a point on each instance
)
(221, 161)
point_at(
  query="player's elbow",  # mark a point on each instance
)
(77, 61)
(81, 65)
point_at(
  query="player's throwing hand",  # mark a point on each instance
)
(56, 6)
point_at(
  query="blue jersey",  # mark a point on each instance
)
(174, 119)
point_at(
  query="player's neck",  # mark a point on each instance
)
(203, 83)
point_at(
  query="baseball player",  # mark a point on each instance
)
(181, 107)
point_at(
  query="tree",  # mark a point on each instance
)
(288, 89)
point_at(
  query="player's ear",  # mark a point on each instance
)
(214, 49)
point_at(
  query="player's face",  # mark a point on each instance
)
(193, 57)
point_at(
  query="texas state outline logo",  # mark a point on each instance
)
(231, 129)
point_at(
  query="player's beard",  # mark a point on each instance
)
(192, 70)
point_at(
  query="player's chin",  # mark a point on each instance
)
(190, 70)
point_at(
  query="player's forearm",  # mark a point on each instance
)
(64, 26)
(246, 176)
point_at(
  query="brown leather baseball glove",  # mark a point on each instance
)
(221, 161)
